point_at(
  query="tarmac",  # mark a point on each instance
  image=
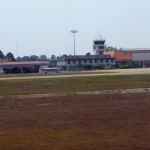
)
(109, 72)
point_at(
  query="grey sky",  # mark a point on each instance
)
(43, 26)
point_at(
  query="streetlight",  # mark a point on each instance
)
(74, 31)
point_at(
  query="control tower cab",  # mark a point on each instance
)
(99, 47)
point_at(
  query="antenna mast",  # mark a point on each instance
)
(16, 49)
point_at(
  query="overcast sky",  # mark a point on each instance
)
(43, 26)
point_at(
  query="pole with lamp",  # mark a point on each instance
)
(73, 32)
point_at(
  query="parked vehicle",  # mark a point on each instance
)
(50, 70)
(2, 72)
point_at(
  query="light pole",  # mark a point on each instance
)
(74, 31)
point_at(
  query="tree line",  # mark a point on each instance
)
(9, 56)
(53, 58)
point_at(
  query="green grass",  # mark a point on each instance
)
(73, 84)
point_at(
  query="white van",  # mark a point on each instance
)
(2, 72)
(50, 70)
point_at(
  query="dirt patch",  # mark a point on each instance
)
(139, 90)
(106, 121)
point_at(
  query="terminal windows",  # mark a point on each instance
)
(101, 47)
(106, 60)
(100, 53)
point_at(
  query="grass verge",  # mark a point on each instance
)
(73, 84)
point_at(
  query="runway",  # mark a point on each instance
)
(99, 73)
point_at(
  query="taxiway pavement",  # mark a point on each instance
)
(99, 73)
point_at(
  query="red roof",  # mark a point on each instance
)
(120, 55)
(109, 53)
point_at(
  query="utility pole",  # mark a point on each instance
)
(73, 32)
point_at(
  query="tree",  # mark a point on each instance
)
(18, 58)
(110, 48)
(87, 54)
(58, 58)
(43, 57)
(53, 57)
(64, 55)
(10, 56)
(121, 48)
(33, 58)
(1, 54)
(24, 58)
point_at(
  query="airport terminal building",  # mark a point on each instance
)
(98, 59)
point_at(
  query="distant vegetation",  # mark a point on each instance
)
(9, 56)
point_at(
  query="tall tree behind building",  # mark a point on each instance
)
(1, 54)
(88, 54)
(10, 56)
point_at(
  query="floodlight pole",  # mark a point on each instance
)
(74, 31)
(74, 43)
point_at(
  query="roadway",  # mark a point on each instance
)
(98, 73)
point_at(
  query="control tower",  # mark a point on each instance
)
(99, 46)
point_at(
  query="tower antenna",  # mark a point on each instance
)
(99, 34)
(16, 49)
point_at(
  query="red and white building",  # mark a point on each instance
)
(139, 56)
(20, 67)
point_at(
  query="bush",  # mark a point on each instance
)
(124, 66)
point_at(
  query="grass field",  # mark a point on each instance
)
(95, 122)
(78, 84)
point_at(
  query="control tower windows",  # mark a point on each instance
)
(99, 42)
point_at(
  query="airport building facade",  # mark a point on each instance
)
(94, 60)
(141, 57)
(7, 66)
